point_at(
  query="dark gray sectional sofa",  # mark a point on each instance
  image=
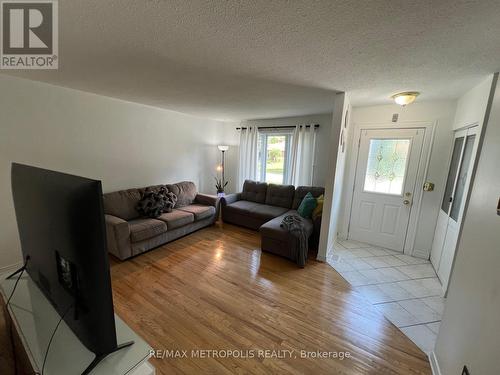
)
(262, 206)
(129, 234)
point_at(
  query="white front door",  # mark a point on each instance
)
(452, 207)
(386, 173)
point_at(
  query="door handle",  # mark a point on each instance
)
(407, 200)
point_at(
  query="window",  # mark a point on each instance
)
(462, 177)
(386, 168)
(273, 151)
(452, 174)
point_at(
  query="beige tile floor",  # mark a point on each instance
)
(405, 289)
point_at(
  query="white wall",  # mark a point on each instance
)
(322, 139)
(123, 144)
(334, 177)
(470, 329)
(471, 107)
(442, 114)
(228, 135)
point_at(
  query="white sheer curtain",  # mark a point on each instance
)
(247, 168)
(302, 154)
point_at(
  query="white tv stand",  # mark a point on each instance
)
(35, 320)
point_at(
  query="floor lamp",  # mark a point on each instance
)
(223, 149)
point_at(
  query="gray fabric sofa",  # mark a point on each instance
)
(261, 206)
(129, 234)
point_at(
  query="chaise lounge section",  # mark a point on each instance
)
(129, 234)
(261, 206)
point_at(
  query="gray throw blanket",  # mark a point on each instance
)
(295, 225)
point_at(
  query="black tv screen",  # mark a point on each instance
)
(61, 227)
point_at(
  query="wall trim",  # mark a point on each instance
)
(434, 363)
(10, 268)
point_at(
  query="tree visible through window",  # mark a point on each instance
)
(273, 157)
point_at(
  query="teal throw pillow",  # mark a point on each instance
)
(307, 206)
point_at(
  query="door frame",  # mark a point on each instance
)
(463, 205)
(423, 166)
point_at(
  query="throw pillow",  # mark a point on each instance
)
(307, 206)
(170, 203)
(319, 207)
(154, 203)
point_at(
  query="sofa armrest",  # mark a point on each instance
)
(118, 236)
(230, 198)
(207, 200)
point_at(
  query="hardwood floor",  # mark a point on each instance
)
(215, 290)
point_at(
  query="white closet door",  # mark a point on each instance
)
(452, 208)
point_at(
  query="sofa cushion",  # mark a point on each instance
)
(185, 192)
(274, 230)
(254, 191)
(176, 218)
(240, 207)
(255, 210)
(199, 211)
(154, 188)
(122, 203)
(280, 195)
(267, 212)
(301, 192)
(144, 228)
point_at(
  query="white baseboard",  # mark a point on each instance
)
(423, 254)
(342, 236)
(434, 364)
(11, 268)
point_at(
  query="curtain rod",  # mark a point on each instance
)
(280, 127)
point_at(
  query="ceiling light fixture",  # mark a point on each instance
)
(405, 98)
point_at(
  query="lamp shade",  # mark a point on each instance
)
(223, 147)
(404, 98)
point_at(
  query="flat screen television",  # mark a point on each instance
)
(61, 226)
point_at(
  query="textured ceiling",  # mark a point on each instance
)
(253, 59)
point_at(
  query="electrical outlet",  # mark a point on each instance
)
(465, 371)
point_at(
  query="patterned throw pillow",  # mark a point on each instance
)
(307, 206)
(154, 203)
(171, 201)
(319, 207)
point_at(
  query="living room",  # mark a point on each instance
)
(251, 127)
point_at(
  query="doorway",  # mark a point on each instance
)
(386, 176)
(453, 204)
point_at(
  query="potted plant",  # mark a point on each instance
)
(220, 186)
